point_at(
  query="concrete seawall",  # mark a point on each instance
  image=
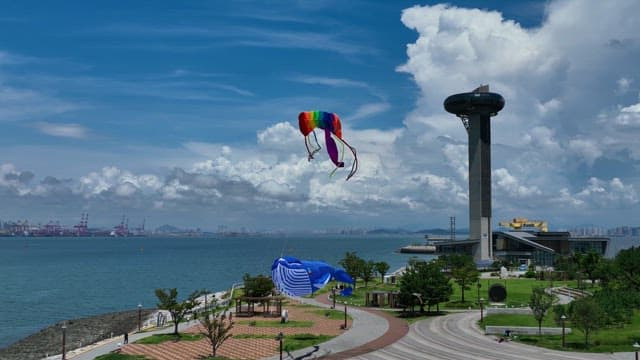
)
(80, 332)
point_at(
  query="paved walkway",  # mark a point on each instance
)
(457, 336)
(365, 333)
(104, 347)
(396, 329)
(261, 343)
(371, 330)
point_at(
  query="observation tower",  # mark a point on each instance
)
(475, 109)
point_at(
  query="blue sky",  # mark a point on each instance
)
(185, 113)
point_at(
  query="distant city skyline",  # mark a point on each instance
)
(186, 114)
(124, 227)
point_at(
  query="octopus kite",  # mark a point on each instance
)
(330, 123)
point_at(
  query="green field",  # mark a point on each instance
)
(291, 342)
(277, 323)
(160, 338)
(612, 339)
(518, 292)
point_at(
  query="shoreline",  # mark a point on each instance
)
(80, 332)
(86, 332)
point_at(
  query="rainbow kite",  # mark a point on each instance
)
(330, 123)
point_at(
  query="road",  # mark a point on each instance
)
(457, 336)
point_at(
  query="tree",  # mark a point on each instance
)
(168, 300)
(351, 264)
(367, 271)
(463, 271)
(619, 304)
(438, 288)
(424, 284)
(539, 303)
(606, 272)
(558, 311)
(382, 268)
(567, 265)
(589, 263)
(587, 316)
(216, 330)
(627, 263)
(257, 286)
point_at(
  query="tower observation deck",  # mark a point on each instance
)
(475, 109)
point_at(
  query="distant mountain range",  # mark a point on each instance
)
(435, 231)
(166, 229)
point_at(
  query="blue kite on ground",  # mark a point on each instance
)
(303, 277)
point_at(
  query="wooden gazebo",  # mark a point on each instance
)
(271, 305)
(381, 298)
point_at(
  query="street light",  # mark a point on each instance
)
(333, 296)
(564, 318)
(345, 316)
(279, 338)
(481, 309)
(479, 286)
(139, 317)
(64, 339)
(637, 347)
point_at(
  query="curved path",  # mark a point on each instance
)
(396, 329)
(456, 336)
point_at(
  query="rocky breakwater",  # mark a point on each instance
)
(79, 332)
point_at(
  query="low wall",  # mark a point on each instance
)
(524, 330)
(511, 311)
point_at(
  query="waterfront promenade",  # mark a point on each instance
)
(457, 336)
(376, 335)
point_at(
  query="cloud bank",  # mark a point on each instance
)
(565, 145)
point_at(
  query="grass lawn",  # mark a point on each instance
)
(160, 338)
(291, 342)
(517, 320)
(612, 339)
(518, 291)
(277, 323)
(301, 341)
(331, 314)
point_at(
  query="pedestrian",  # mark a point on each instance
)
(126, 338)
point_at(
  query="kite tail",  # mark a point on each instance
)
(307, 143)
(354, 165)
(332, 148)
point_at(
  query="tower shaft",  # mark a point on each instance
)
(476, 109)
(480, 183)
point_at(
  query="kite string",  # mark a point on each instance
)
(354, 165)
(307, 143)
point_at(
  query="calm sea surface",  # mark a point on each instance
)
(45, 280)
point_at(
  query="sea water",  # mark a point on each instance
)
(46, 280)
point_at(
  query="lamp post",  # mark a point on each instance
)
(345, 316)
(280, 337)
(139, 317)
(333, 297)
(564, 318)
(481, 301)
(479, 286)
(637, 347)
(64, 339)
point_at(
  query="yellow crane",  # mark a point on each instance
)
(520, 223)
